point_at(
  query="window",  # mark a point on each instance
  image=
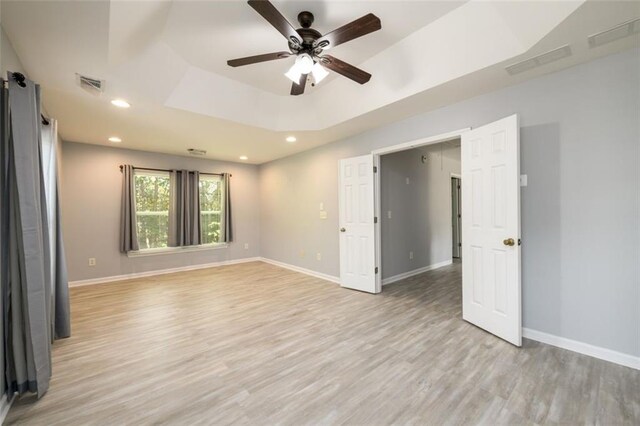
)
(211, 202)
(152, 208)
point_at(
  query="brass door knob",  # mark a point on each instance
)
(343, 230)
(509, 242)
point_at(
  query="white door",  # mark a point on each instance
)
(491, 294)
(357, 246)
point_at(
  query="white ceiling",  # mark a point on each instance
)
(168, 58)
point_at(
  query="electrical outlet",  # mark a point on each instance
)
(246, 246)
(319, 256)
(323, 214)
(389, 214)
(92, 261)
(410, 255)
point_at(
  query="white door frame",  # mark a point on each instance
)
(443, 137)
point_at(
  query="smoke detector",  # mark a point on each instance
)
(90, 85)
(198, 152)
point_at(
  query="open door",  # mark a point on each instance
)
(357, 240)
(491, 292)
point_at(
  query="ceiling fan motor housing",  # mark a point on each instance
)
(308, 36)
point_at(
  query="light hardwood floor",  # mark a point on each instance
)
(254, 343)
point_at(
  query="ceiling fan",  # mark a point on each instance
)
(307, 45)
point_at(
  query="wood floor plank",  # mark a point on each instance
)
(257, 344)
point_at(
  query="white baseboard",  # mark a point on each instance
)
(320, 275)
(5, 406)
(583, 348)
(418, 271)
(116, 278)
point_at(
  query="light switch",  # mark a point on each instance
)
(408, 181)
(389, 214)
(321, 206)
(523, 180)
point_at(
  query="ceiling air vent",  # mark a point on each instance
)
(536, 61)
(612, 34)
(198, 152)
(91, 85)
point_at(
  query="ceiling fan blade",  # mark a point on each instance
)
(362, 26)
(298, 89)
(275, 18)
(345, 69)
(258, 58)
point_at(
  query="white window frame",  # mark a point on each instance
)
(156, 174)
(220, 179)
(172, 250)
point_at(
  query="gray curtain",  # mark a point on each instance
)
(184, 210)
(228, 229)
(60, 320)
(128, 228)
(4, 227)
(26, 280)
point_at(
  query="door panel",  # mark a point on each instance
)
(491, 292)
(357, 246)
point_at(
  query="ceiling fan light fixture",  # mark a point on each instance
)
(304, 63)
(293, 74)
(319, 73)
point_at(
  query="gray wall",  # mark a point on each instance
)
(91, 191)
(420, 209)
(580, 223)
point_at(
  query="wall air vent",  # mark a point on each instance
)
(612, 34)
(91, 85)
(536, 61)
(198, 152)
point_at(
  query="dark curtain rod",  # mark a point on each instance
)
(19, 77)
(168, 170)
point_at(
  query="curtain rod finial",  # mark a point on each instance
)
(19, 78)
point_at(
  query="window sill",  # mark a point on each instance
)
(173, 250)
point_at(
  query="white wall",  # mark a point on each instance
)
(580, 144)
(420, 209)
(9, 60)
(90, 201)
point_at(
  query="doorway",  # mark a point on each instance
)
(490, 215)
(456, 216)
(416, 209)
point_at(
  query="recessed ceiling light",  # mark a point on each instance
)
(120, 103)
(291, 139)
(115, 139)
(244, 157)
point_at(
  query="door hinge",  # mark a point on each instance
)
(375, 219)
(459, 215)
(459, 244)
(458, 186)
(376, 270)
(375, 169)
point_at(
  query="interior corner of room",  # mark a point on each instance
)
(250, 237)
